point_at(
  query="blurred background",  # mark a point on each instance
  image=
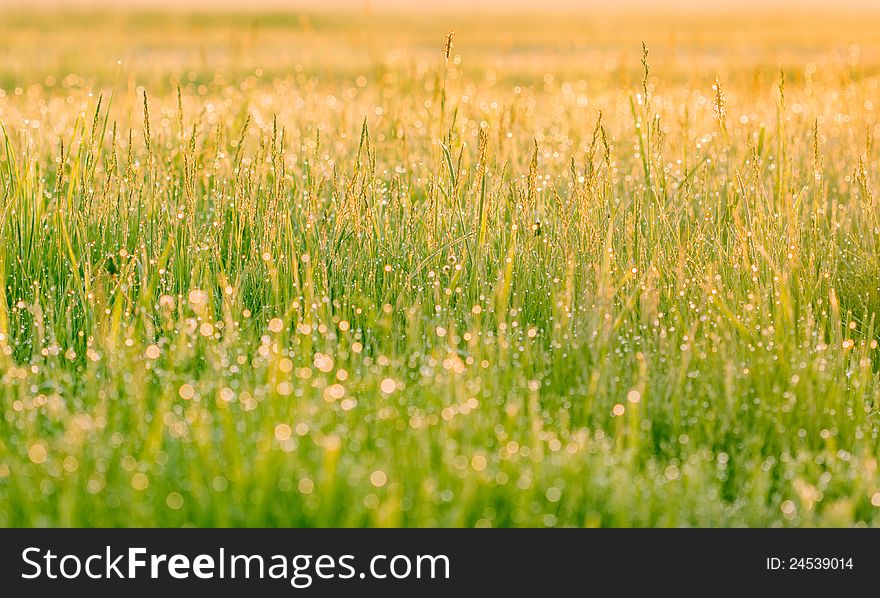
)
(741, 40)
(471, 5)
(211, 47)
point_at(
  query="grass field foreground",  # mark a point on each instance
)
(302, 271)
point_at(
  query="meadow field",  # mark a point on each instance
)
(314, 269)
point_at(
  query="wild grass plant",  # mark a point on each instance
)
(433, 293)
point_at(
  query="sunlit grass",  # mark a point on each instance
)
(421, 288)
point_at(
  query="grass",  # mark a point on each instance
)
(320, 275)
